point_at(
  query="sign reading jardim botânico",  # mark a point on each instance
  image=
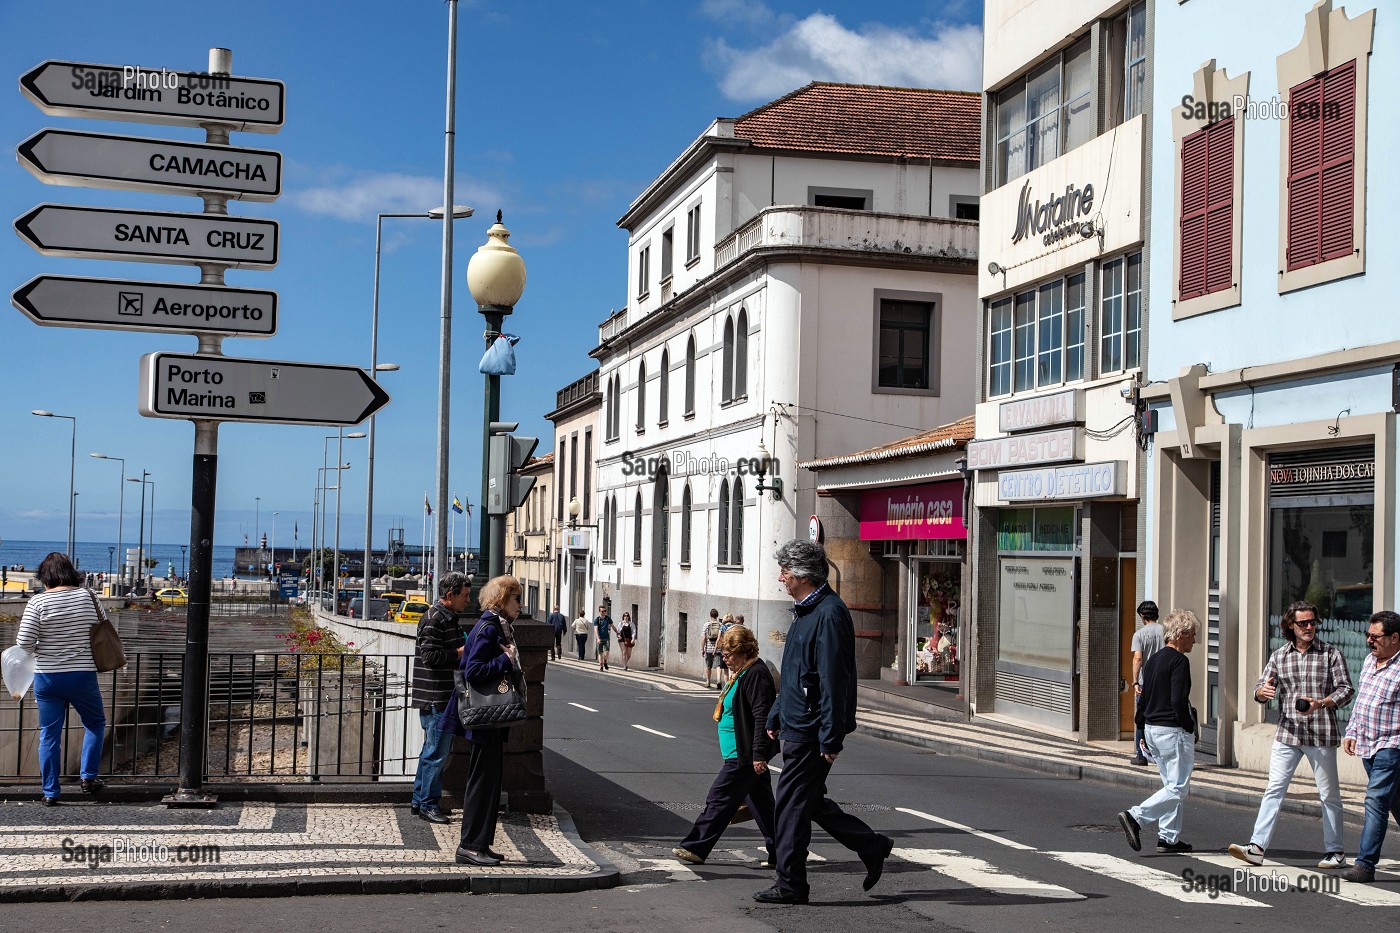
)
(118, 304)
(150, 95)
(150, 236)
(161, 166)
(222, 388)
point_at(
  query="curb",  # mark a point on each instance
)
(607, 875)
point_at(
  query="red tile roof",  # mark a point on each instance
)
(863, 119)
(946, 437)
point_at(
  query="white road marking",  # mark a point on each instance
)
(1300, 879)
(581, 706)
(990, 837)
(664, 735)
(1159, 882)
(811, 856)
(979, 874)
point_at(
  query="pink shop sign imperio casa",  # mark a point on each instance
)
(913, 513)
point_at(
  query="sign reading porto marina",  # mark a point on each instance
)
(118, 304)
(99, 160)
(222, 388)
(150, 236)
(150, 95)
(1078, 481)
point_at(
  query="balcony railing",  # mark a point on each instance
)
(579, 388)
(859, 231)
(612, 326)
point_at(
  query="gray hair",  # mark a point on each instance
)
(803, 559)
(453, 582)
(1180, 622)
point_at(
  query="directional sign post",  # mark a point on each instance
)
(222, 388)
(154, 95)
(117, 304)
(150, 236)
(161, 166)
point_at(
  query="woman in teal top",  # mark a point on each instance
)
(742, 714)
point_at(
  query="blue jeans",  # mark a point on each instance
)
(54, 693)
(1283, 761)
(1382, 800)
(1175, 750)
(437, 745)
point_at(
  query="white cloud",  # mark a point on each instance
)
(738, 13)
(353, 195)
(819, 48)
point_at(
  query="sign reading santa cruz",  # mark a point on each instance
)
(150, 236)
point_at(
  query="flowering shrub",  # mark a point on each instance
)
(306, 637)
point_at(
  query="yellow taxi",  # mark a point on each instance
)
(411, 611)
(173, 596)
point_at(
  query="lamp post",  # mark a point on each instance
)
(183, 549)
(257, 522)
(340, 458)
(141, 528)
(272, 561)
(110, 551)
(72, 468)
(496, 278)
(121, 508)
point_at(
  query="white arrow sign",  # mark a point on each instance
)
(150, 236)
(132, 163)
(221, 388)
(117, 304)
(146, 95)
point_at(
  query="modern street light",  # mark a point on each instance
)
(340, 458)
(111, 550)
(183, 549)
(272, 561)
(257, 522)
(121, 510)
(141, 526)
(72, 469)
(496, 278)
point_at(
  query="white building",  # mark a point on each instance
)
(574, 537)
(802, 285)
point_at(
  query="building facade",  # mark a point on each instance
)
(1061, 348)
(529, 540)
(801, 285)
(1274, 381)
(574, 537)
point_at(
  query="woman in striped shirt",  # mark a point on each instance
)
(57, 630)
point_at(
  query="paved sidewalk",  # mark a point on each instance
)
(85, 850)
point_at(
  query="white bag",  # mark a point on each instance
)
(18, 668)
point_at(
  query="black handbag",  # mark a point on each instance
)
(494, 705)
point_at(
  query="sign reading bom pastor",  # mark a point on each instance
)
(999, 453)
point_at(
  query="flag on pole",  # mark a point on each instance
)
(457, 505)
(426, 507)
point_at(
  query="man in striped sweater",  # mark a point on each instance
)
(439, 651)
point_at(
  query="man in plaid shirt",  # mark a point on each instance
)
(1309, 678)
(1373, 732)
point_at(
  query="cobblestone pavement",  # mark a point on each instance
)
(92, 849)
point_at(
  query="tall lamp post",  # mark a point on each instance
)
(141, 526)
(121, 511)
(257, 529)
(496, 278)
(183, 549)
(437, 213)
(272, 561)
(72, 469)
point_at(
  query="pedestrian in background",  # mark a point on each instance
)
(1373, 732)
(1146, 642)
(438, 650)
(581, 629)
(490, 653)
(558, 623)
(1310, 680)
(710, 647)
(722, 666)
(56, 628)
(814, 712)
(626, 638)
(602, 626)
(744, 744)
(1166, 717)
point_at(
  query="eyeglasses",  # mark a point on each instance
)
(1306, 623)
(1370, 637)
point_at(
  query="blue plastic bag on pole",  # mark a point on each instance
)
(499, 358)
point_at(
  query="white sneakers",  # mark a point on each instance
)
(1333, 860)
(1250, 853)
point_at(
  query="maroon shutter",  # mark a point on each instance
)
(1193, 214)
(1305, 174)
(1338, 161)
(1220, 205)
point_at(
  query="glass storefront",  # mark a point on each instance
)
(938, 588)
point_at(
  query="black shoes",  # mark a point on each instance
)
(1138, 760)
(432, 814)
(776, 895)
(413, 808)
(1173, 848)
(1131, 830)
(487, 859)
(875, 864)
(1361, 874)
(92, 785)
(50, 801)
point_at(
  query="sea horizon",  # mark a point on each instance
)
(93, 556)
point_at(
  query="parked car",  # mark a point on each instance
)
(378, 609)
(411, 611)
(172, 596)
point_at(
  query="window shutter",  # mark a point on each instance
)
(1305, 175)
(1220, 205)
(1338, 132)
(1194, 149)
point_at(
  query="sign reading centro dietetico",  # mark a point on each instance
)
(117, 304)
(131, 163)
(150, 236)
(146, 95)
(221, 388)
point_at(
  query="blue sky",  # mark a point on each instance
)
(566, 110)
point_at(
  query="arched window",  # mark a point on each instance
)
(612, 529)
(603, 532)
(637, 530)
(727, 373)
(736, 523)
(685, 525)
(642, 395)
(616, 406)
(741, 356)
(722, 558)
(690, 375)
(663, 390)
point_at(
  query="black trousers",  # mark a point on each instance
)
(582, 645)
(558, 650)
(801, 800)
(735, 784)
(481, 799)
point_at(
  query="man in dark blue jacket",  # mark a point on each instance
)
(815, 710)
(558, 623)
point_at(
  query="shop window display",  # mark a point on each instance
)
(936, 625)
